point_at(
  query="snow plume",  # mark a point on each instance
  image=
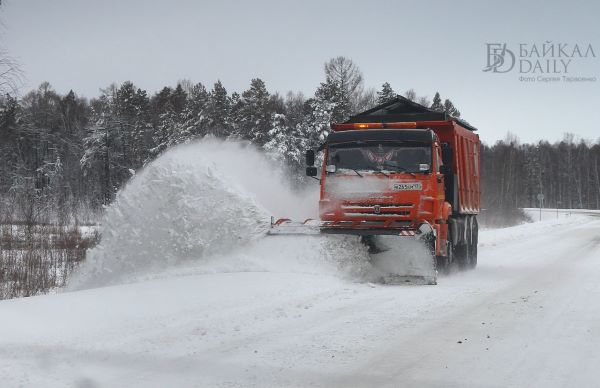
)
(197, 200)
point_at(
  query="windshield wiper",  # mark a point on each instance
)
(377, 169)
(402, 169)
(408, 172)
(347, 168)
(357, 173)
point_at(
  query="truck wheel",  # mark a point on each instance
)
(474, 242)
(444, 262)
(461, 255)
(462, 252)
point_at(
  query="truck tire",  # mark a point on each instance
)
(474, 242)
(461, 256)
(462, 252)
(443, 263)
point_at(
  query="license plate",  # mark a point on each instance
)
(413, 186)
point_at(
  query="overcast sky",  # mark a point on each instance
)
(426, 45)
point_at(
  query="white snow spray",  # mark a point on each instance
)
(206, 206)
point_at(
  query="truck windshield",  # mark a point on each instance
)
(374, 156)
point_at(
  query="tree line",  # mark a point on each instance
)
(567, 173)
(63, 153)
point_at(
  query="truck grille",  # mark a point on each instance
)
(377, 210)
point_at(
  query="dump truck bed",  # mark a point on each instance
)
(464, 164)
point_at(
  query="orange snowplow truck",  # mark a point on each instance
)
(403, 169)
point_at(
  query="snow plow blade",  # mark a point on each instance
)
(402, 260)
(287, 227)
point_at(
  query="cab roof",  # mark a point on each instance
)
(401, 109)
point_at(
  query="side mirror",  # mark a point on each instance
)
(310, 159)
(311, 171)
(444, 169)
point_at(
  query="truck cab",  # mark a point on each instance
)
(384, 174)
(382, 180)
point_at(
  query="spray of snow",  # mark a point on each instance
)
(338, 257)
(205, 207)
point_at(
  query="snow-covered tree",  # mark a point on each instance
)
(283, 143)
(254, 116)
(103, 156)
(316, 124)
(218, 111)
(166, 132)
(331, 98)
(194, 121)
(131, 111)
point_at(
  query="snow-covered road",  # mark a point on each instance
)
(527, 316)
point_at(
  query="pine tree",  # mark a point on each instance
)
(330, 97)
(8, 115)
(385, 94)
(450, 109)
(165, 134)
(125, 101)
(218, 111)
(235, 116)
(437, 103)
(255, 113)
(104, 146)
(195, 121)
(69, 108)
(161, 100)
(294, 108)
(178, 99)
(282, 144)
(315, 126)
(125, 113)
(142, 129)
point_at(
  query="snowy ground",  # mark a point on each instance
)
(276, 313)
